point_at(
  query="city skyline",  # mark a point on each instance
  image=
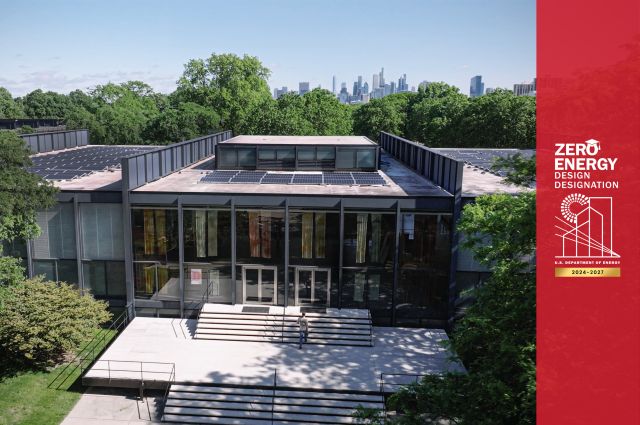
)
(94, 43)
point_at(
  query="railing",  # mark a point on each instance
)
(205, 297)
(94, 348)
(370, 328)
(273, 396)
(171, 381)
(413, 378)
(142, 168)
(56, 140)
(282, 326)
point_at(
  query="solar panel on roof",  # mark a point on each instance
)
(277, 178)
(307, 179)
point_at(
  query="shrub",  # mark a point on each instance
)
(41, 321)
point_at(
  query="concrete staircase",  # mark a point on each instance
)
(203, 404)
(328, 328)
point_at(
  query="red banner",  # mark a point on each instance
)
(588, 100)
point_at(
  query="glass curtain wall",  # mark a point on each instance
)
(260, 256)
(367, 274)
(54, 251)
(314, 258)
(207, 256)
(425, 252)
(103, 250)
(155, 254)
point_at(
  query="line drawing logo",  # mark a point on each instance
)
(586, 227)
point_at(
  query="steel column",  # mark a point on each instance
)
(181, 254)
(286, 254)
(233, 252)
(76, 221)
(396, 264)
(340, 261)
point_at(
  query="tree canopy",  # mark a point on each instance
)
(230, 92)
(495, 339)
(229, 84)
(22, 193)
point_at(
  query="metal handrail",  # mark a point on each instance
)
(282, 326)
(273, 397)
(88, 353)
(204, 295)
(172, 380)
(370, 328)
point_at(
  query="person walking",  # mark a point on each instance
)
(303, 327)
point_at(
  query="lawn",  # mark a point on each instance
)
(26, 398)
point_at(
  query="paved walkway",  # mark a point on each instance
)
(114, 406)
(396, 350)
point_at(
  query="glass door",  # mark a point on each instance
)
(312, 286)
(259, 284)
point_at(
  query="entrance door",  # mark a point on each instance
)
(259, 284)
(313, 286)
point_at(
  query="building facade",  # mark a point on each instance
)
(321, 222)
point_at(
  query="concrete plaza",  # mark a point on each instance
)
(396, 350)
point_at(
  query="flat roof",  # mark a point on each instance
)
(400, 182)
(299, 140)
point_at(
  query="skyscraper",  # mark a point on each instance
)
(334, 85)
(382, 77)
(376, 82)
(365, 88)
(525, 89)
(477, 86)
(303, 87)
(402, 84)
(279, 92)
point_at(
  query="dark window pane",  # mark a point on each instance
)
(286, 154)
(369, 239)
(228, 158)
(95, 277)
(306, 154)
(345, 159)
(326, 153)
(207, 235)
(247, 158)
(266, 153)
(155, 234)
(366, 158)
(46, 268)
(68, 271)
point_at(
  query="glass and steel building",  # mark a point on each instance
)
(342, 222)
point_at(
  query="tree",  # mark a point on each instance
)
(22, 193)
(520, 169)
(499, 120)
(9, 108)
(327, 115)
(39, 104)
(41, 321)
(230, 85)
(386, 114)
(496, 337)
(186, 121)
(125, 112)
(433, 115)
(317, 113)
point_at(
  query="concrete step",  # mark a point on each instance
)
(220, 405)
(313, 341)
(288, 329)
(221, 390)
(321, 395)
(236, 398)
(195, 411)
(183, 419)
(268, 333)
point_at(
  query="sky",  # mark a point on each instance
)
(77, 44)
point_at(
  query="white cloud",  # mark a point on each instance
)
(62, 83)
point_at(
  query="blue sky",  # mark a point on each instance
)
(64, 45)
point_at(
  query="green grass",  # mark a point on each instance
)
(25, 398)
